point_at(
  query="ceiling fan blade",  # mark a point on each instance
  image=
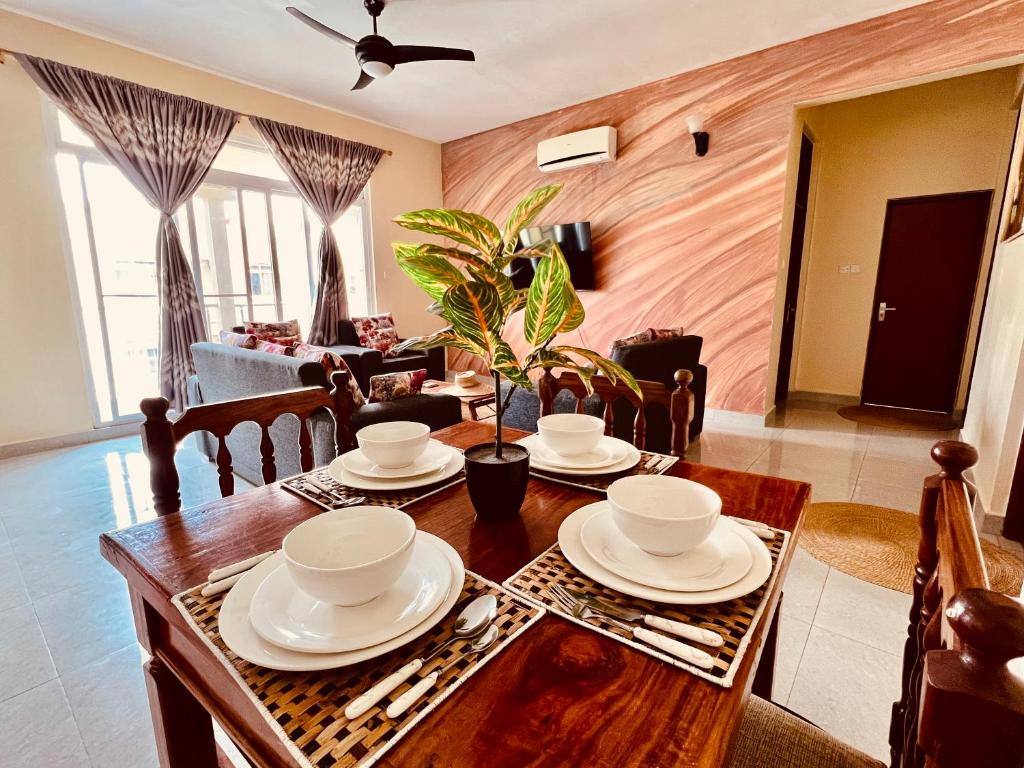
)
(309, 21)
(406, 54)
(363, 81)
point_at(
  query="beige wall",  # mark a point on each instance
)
(43, 386)
(995, 411)
(948, 136)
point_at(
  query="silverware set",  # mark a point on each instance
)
(659, 463)
(581, 606)
(760, 530)
(224, 578)
(338, 500)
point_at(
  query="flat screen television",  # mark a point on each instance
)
(573, 239)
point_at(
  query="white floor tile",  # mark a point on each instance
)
(108, 699)
(864, 612)
(12, 586)
(792, 638)
(905, 472)
(847, 688)
(903, 498)
(39, 730)
(24, 660)
(803, 586)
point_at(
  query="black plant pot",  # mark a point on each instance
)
(496, 486)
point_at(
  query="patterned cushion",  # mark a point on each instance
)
(641, 337)
(665, 333)
(274, 349)
(331, 362)
(772, 736)
(394, 386)
(377, 332)
(282, 333)
(243, 340)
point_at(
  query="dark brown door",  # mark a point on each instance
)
(796, 253)
(927, 274)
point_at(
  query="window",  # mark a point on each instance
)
(251, 241)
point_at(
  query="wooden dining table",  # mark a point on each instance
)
(560, 695)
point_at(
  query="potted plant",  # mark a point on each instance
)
(471, 291)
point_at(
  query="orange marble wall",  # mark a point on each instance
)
(682, 240)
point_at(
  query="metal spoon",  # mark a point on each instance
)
(472, 621)
(410, 697)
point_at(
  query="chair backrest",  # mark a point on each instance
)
(160, 436)
(678, 402)
(961, 705)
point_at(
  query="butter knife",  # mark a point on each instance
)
(678, 628)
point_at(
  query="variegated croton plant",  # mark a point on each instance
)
(471, 291)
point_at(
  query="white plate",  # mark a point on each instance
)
(723, 559)
(237, 633)
(352, 480)
(609, 451)
(285, 615)
(632, 458)
(433, 459)
(572, 548)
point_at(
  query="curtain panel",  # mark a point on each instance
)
(329, 174)
(164, 144)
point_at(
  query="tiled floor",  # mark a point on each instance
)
(840, 640)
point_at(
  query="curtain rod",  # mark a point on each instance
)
(4, 52)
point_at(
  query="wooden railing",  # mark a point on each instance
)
(961, 705)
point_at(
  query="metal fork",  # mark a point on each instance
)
(672, 647)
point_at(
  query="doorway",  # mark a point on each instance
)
(932, 249)
(796, 254)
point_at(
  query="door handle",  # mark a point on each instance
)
(882, 309)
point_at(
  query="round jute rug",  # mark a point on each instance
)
(879, 545)
(897, 418)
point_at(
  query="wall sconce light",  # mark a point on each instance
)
(695, 124)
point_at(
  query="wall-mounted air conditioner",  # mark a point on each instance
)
(594, 145)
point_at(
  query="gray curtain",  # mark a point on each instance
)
(329, 173)
(164, 144)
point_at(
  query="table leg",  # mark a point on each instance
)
(764, 677)
(184, 730)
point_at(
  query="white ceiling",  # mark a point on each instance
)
(533, 56)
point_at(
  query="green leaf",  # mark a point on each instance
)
(474, 310)
(517, 303)
(433, 274)
(507, 364)
(470, 229)
(535, 251)
(454, 254)
(576, 314)
(525, 212)
(502, 284)
(551, 358)
(546, 305)
(435, 308)
(609, 368)
(443, 338)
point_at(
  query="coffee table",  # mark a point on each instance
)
(470, 402)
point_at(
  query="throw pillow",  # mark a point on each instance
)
(377, 332)
(641, 337)
(243, 340)
(274, 349)
(331, 362)
(283, 333)
(665, 333)
(394, 386)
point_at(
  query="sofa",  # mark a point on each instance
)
(653, 361)
(365, 362)
(226, 373)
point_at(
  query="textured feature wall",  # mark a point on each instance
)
(695, 241)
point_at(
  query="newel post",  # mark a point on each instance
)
(158, 445)
(681, 412)
(547, 391)
(344, 406)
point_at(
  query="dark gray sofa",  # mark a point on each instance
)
(227, 373)
(365, 362)
(653, 361)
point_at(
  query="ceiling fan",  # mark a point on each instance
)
(376, 55)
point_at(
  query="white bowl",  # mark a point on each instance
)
(570, 434)
(393, 444)
(349, 556)
(663, 515)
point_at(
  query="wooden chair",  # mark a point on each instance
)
(961, 706)
(678, 402)
(160, 436)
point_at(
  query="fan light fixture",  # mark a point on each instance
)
(377, 69)
(695, 125)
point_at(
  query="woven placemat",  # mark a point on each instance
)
(306, 709)
(734, 620)
(600, 483)
(399, 498)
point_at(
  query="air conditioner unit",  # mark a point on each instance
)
(594, 145)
